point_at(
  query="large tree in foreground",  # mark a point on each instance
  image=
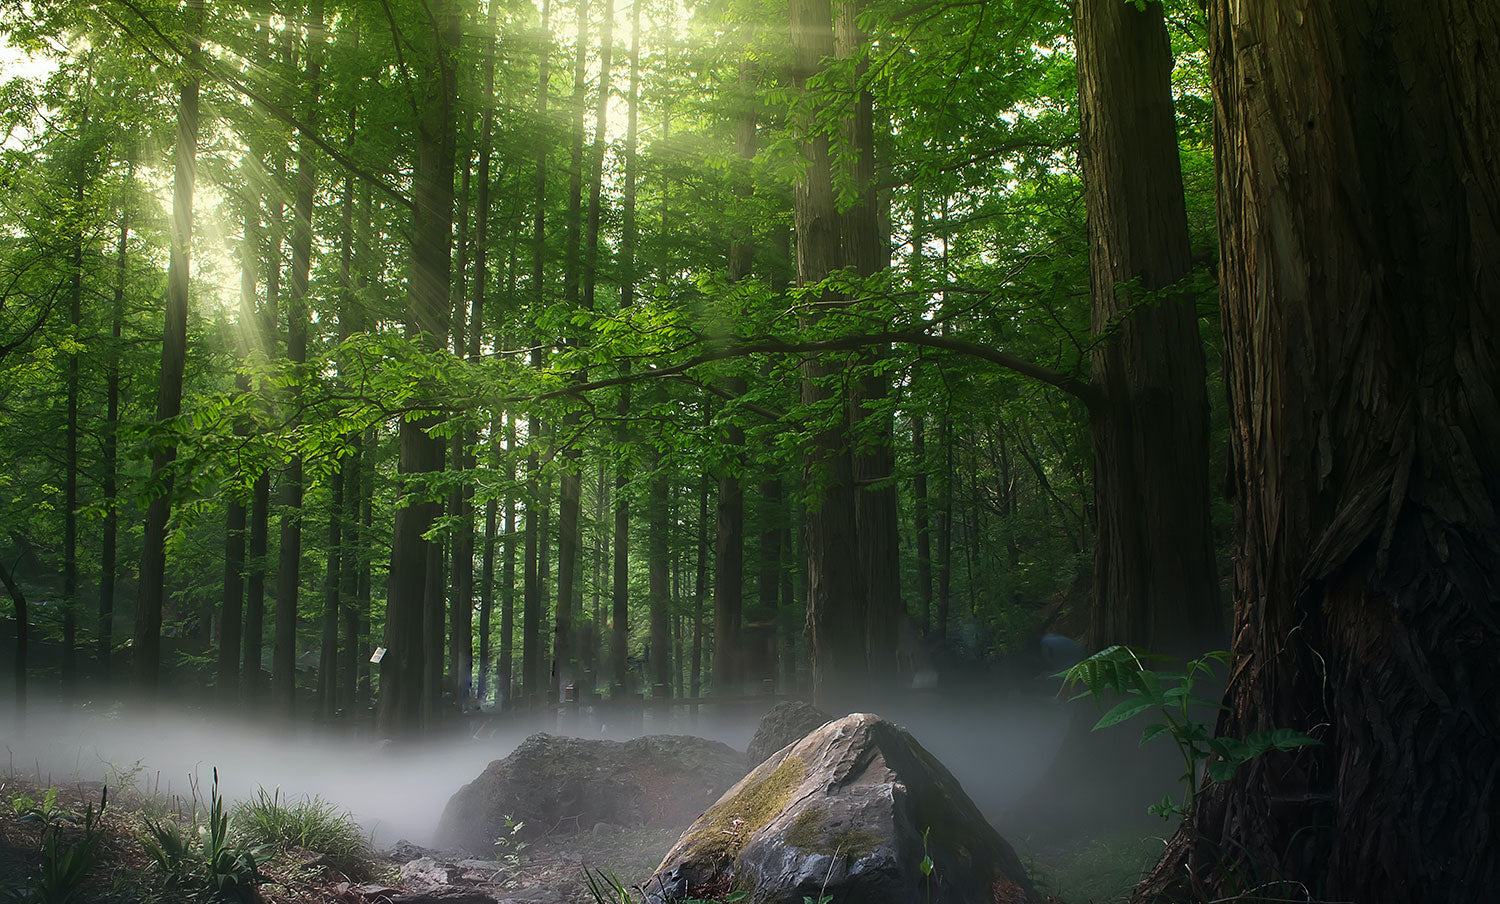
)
(1359, 209)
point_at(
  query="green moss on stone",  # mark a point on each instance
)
(725, 828)
(808, 833)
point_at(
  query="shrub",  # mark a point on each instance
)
(312, 824)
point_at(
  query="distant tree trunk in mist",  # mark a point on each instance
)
(1361, 309)
(406, 698)
(700, 590)
(146, 649)
(945, 531)
(657, 565)
(1154, 575)
(921, 522)
(23, 633)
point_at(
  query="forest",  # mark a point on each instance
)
(387, 368)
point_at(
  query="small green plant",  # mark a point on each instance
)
(46, 811)
(606, 888)
(509, 847)
(1169, 692)
(312, 824)
(65, 864)
(205, 857)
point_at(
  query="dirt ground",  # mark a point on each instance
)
(550, 870)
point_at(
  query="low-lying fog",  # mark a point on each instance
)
(997, 748)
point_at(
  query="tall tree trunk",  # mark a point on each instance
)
(921, 523)
(289, 570)
(620, 597)
(945, 531)
(23, 634)
(70, 436)
(700, 591)
(231, 618)
(729, 533)
(504, 680)
(146, 650)
(476, 330)
(836, 592)
(1154, 575)
(328, 652)
(531, 594)
(1361, 310)
(867, 250)
(109, 543)
(407, 694)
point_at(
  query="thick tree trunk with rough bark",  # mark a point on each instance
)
(407, 694)
(1358, 200)
(836, 593)
(1154, 578)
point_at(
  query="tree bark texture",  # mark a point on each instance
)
(1359, 214)
(1154, 575)
(406, 705)
(836, 593)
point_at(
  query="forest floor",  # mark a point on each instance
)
(548, 871)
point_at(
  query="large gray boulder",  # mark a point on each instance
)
(785, 723)
(849, 811)
(555, 784)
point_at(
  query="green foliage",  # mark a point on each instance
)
(46, 811)
(65, 863)
(606, 888)
(206, 858)
(1122, 671)
(509, 846)
(311, 824)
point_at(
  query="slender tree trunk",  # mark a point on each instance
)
(1154, 576)
(1361, 310)
(531, 595)
(289, 571)
(504, 682)
(109, 543)
(146, 651)
(945, 531)
(23, 631)
(328, 654)
(922, 526)
(700, 591)
(70, 440)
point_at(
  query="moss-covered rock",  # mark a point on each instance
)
(848, 811)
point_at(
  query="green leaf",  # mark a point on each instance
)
(1125, 709)
(1153, 731)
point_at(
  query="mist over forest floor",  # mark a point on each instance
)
(999, 746)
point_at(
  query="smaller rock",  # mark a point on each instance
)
(404, 851)
(785, 723)
(426, 872)
(602, 829)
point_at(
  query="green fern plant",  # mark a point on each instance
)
(1123, 671)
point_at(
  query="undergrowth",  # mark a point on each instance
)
(310, 824)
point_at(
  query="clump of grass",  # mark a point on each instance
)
(311, 824)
